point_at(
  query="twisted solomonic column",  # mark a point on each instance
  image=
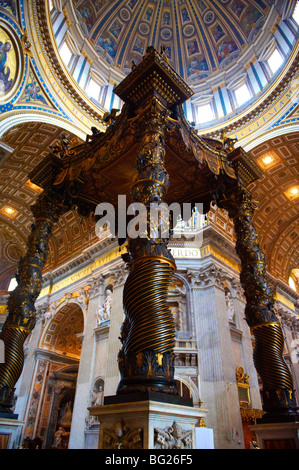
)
(146, 357)
(22, 316)
(278, 392)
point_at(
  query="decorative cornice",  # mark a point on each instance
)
(251, 414)
(208, 276)
(80, 261)
(287, 319)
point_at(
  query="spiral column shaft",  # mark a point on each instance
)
(146, 356)
(22, 316)
(145, 303)
(278, 392)
(267, 356)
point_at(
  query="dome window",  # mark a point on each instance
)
(295, 15)
(66, 54)
(293, 279)
(292, 283)
(275, 61)
(204, 113)
(93, 89)
(242, 94)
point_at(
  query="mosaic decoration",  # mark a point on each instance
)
(33, 94)
(199, 37)
(8, 64)
(10, 6)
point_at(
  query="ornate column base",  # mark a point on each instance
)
(11, 428)
(148, 371)
(147, 424)
(7, 400)
(280, 405)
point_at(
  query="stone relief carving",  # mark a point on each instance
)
(83, 299)
(209, 276)
(238, 290)
(288, 319)
(51, 310)
(96, 285)
(174, 437)
(41, 311)
(122, 436)
(119, 275)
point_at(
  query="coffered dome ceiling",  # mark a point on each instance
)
(200, 38)
(217, 47)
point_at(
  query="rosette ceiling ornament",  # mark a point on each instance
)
(150, 154)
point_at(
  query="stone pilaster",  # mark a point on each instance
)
(218, 389)
(86, 367)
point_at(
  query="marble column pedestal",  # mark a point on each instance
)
(147, 423)
(283, 435)
(10, 430)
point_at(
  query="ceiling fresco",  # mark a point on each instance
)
(199, 37)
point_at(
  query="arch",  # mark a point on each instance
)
(69, 369)
(15, 118)
(277, 242)
(62, 334)
(65, 300)
(276, 209)
(267, 135)
(188, 386)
